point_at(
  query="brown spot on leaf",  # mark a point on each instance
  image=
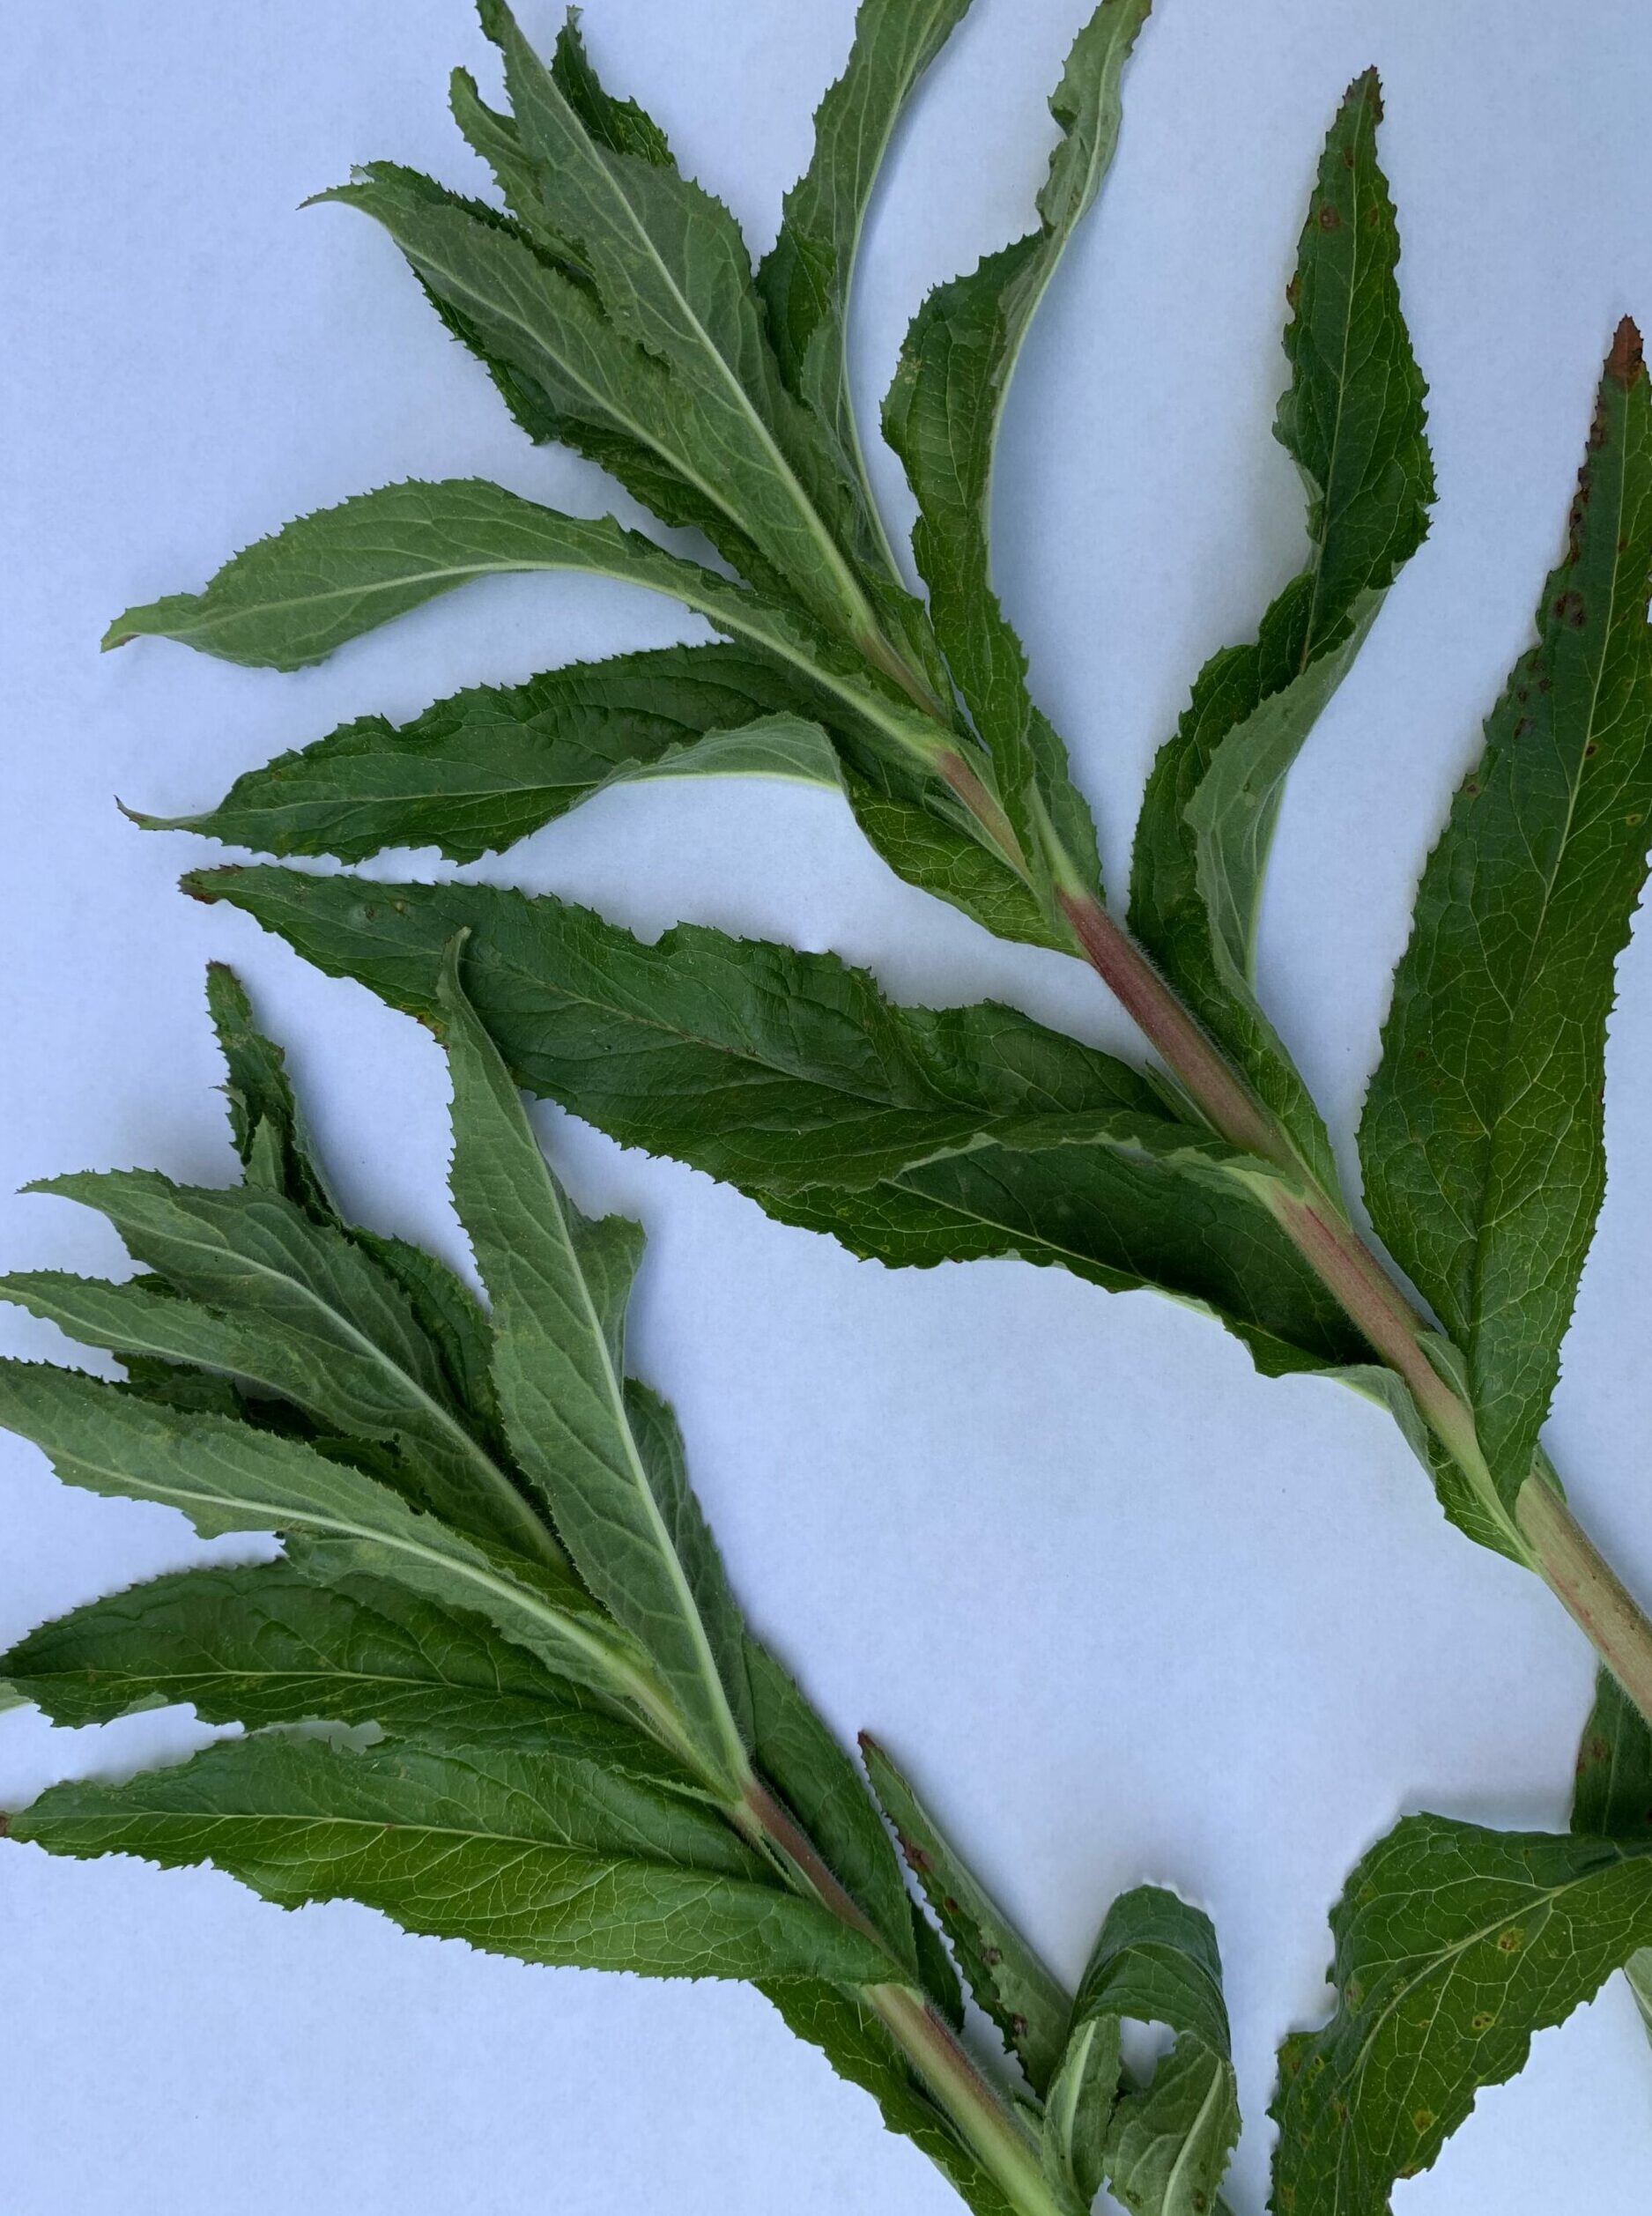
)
(1511, 1941)
(1017, 2027)
(1625, 361)
(1483, 2021)
(992, 1956)
(1422, 2119)
(1330, 220)
(1569, 609)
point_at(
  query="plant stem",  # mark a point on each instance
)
(985, 2121)
(1194, 1058)
(1541, 1528)
(1585, 1583)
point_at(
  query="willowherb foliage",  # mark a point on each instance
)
(493, 1556)
(613, 304)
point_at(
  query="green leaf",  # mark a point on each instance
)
(329, 577)
(1613, 1797)
(943, 416)
(261, 1096)
(262, 1101)
(295, 1306)
(942, 857)
(264, 1645)
(475, 772)
(226, 1475)
(671, 269)
(603, 1453)
(1353, 420)
(1002, 1972)
(1162, 2149)
(938, 1136)
(562, 368)
(1482, 1135)
(455, 1323)
(546, 1857)
(845, 2028)
(819, 1783)
(1453, 1946)
(807, 280)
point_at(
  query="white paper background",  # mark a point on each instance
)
(1128, 1610)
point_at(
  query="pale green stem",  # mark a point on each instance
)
(984, 2119)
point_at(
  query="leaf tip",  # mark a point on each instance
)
(1626, 360)
(1366, 88)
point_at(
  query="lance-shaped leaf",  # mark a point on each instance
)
(564, 370)
(328, 578)
(1004, 1976)
(262, 1101)
(1162, 2149)
(546, 1857)
(1353, 420)
(269, 1295)
(1613, 1797)
(477, 772)
(943, 416)
(271, 1136)
(264, 1645)
(1482, 1135)
(915, 1136)
(226, 1475)
(1453, 1946)
(671, 269)
(807, 278)
(603, 1452)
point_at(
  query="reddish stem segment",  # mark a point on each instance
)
(1229, 1102)
(989, 2127)
(1541, 1528)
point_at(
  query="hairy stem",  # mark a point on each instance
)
(984, 2119)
